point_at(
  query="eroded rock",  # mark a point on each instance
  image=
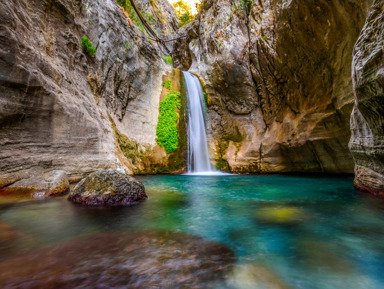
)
(53, 183)
(278, 78)
(108, 188)
(55, 99)
(122, 260)
(367, 120)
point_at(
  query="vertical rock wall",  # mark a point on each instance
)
(367, 121)
(55, 100)
(278, 79)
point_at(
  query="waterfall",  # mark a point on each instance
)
(198, 155)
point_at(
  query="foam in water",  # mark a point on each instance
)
(198, 154)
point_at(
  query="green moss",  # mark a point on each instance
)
(205, 97)
(166, 131)
(88, 48)
(129, 147)
(222, 165)
(168, 84)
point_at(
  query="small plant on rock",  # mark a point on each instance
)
(88, 48)
(168, 60)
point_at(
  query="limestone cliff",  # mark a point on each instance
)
(367, 121)
(278, 79)
(60, 107)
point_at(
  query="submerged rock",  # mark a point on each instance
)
(108, 188)
(7, 232)
(122, 260)
(250, 276)
(49, 184)
(281, 215)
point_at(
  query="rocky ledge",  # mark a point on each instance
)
(108, 188)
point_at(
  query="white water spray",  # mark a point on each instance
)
(198, 155)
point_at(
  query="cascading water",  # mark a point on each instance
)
(198, 155)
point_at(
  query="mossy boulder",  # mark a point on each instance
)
(108, 188)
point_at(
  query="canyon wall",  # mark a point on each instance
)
(61, 108)
(367, 121)
(278, 78)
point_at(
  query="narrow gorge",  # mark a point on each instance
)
(246, 126)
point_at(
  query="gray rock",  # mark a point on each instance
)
(108, 188)
(52, 183)
(55, 99)
(278, 78)
(367, 120)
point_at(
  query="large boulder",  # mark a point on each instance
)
(108, 188)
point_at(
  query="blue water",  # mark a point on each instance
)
(286, 231)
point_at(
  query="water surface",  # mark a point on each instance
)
(286, 231)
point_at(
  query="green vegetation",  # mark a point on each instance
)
(168, 84)
(128, 45)
(166, 131)
(87, 46)
(265, 38)
(205, 97)
(183, 12)
(130, 148)
(168, 60)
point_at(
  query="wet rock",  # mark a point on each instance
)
(367, 119)
(122, 260)
(250, 276)
(7, 232)
(281, 215)
(108, 188)
(53, 183)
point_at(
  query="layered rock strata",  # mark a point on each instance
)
(367, 121)
(55, 100)
(278, 79)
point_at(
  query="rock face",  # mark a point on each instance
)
(108, 188)
(55, 100)
(278, 79)
(122, 260)
(53, 183)
(367, 121)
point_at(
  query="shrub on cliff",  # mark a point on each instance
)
(166, 131)
(88, 46)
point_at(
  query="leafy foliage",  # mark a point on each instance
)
(87, 46)
(166, 131)
(168, 84)
(183, 12)
(168, 60)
